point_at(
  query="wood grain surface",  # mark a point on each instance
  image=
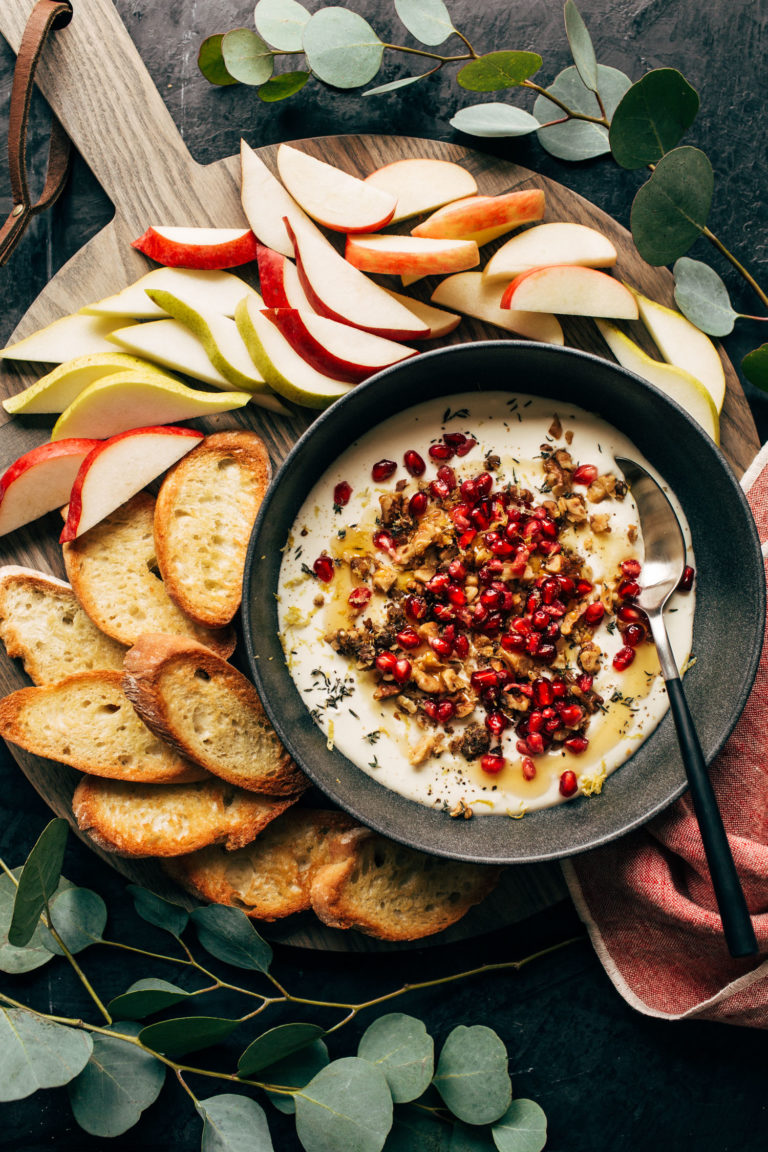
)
(95, 81)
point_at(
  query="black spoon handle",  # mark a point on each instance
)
(737, 925)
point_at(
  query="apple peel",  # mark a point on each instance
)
(570, 290)
(200, 248)
(40, 481)
(336, 350)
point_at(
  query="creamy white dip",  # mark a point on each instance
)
(377, 735)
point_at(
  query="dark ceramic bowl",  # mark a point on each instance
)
(730, 605)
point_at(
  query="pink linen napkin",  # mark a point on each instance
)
(647, 900)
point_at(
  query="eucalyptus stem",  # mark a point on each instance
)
(471, 55)
(144, 952)
(569, 112)
(462, 37)
(739, 268)
(4, 867)
(75, 966)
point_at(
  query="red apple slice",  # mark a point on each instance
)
(558, 243)
(483, 218)
(421, 185)
(40, 481)
(337, 290)
(410, 255)
(266, 203)
(439, 321)
(280, 284)
(211, 248)
(334, 198)
(468, 292)
(118, 468)
(570, 290)
(334, 349)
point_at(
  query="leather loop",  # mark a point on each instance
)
(46, 15)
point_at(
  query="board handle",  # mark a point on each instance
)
(95, 81)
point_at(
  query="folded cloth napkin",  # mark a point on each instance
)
(647, 900)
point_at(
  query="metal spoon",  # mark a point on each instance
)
(662, 569)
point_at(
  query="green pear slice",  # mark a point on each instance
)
(56, 391)
(469, 293)
(205, 290)
(675, 382)
(64, 339)
(283, 368)
(126, 400)
(684, 345)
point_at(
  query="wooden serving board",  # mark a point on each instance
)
(96, 83)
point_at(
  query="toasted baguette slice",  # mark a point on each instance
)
(392, 892)
(203, 519)
(113, 571)
(209, 712)
(42, 622)
(86, 721)
(171, 819)
(271, 877)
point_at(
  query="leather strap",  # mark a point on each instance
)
(45, 16)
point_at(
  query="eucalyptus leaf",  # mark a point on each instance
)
(247, 57)
(35, 953)
(522, 1128)
(281, 23)
(755, 367)
(703, 297)
(428, 20)
(234, 1124)
(210, 61)
(341, 47)
(186, 1034)
(145, 997)
(494, 120)
(275, 1045)
(228, 934)
(38, 881)
(497, 70)
(295, 1071)
(80, 917)
(652, 118)
(670, 211)
(581, 46)
(413, 1129)
(348, 1105)
(395, 84)
(470, 1139)
(401, 1046)
(117, 1084)
(578, 139)
(472, 1075)
(282, 86)
(36, 1053)
(155, 910)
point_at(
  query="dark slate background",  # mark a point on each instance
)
(607, 1077)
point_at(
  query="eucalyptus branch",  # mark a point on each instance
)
(76, 967)
(432, 55)
(462, 37)
(569, 112)
(721, 248)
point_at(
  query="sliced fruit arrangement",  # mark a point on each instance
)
(321, 324)
(40, 481)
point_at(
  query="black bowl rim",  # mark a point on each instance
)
(327, 417)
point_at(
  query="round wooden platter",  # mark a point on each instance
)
(149, 175)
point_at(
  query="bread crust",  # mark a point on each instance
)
(204, 514)
(209, 712)
(87, 722)
(111, 569)
(171, 819)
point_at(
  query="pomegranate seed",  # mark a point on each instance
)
(455, 439)
(460, 515)
(584, 682)
(630, 567)
(583, 588)
(440, 645)
(439, 489)
(525, 690)
(443, 613)
(492, 763)
(456, 570)
(522, 748)
(594, 612)
(484, 483)
(546, 652)
(628, 589)
(484, 678)
(480, 519)
(385, 662)
(466, 447)
(323, 568)
(556, 610)
(548, 528)
(567, 586)
(535, 722)
(540, 619)
(342, 493)
(569, 785)
(489, 570)
(496, 722)
(549, 547)
(448, 476)
(623, 659)
(686, 580)
(543, 691)
(441, 451)
(430, 708)
(457, 595)
(466, 538)
(438, 584)
(558, 689)
(402, 671)
(501, 547)
(414, 463)
(469, 491)
(513, 642)
(446, 710)
(549, 590)
(521, 625)
(358, 598)
(480, 613)
(491, 598)
(629, 614)
(408, 638)
(383, 541)
(417, 505)
(535, 742)
(633, 635)
(585, 474)
(529, 768)
(571, 715)
(383, 469)
(415, 607)
(577, 744)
